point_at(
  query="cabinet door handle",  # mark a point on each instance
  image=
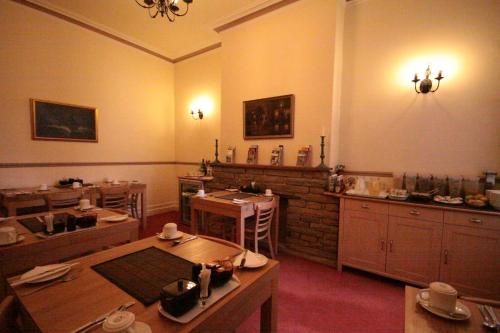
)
(390, 245)
(414, 212)
(365, 206)
(475, 220)
(446, 257)
(382, 245)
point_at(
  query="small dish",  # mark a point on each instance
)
(84, 209)
(177, 236)
(39, 270)
(20, 238)
(462, 312)
(253, 260)
(448, 200)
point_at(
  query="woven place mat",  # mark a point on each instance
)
(236, 196)
(144, 273)
(34, 225)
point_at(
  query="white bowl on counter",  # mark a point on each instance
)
(494, 198)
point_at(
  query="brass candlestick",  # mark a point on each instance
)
(322, 155)
(216, 151)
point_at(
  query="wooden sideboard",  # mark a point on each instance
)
(420, 243)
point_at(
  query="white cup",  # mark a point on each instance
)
(443, 296)
(269, 192)
(84, 203)
(201, 193)
(44, 187)
(77, 185)
(169, 230)
(120, 322)
(116, 182)
(8, 235)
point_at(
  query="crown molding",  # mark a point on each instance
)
(85, 23)
(250, 13)
(350, 3)
(197, 52)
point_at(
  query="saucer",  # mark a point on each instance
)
(462, 312)
(141, 327)
(269, 195)
(84, 209)
(178, 235)
(20, 238)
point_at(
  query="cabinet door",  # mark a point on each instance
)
(471, 260)
(364, 237)
(414, 249)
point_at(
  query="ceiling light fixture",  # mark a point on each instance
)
(168, 8)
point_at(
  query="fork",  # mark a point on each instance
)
(68, 277)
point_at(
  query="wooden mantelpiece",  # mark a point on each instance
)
(270, 167)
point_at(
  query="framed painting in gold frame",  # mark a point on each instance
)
(268, 118)
(63, 122)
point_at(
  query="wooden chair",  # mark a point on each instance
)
(114, 197)
(260, 227)
(63, 199)
(8, 315)
(133, 203)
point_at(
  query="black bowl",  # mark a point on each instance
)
(179, 297)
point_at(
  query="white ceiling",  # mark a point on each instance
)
(171, 39)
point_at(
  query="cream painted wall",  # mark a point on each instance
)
(197, 79)
(44, 57)
(288, 51)
(385, 125)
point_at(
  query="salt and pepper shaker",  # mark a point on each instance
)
(204, 278)
(49, 223)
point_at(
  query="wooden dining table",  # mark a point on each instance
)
(65, 306)
(419, 320)
(34, 250)
(215, 203)
(13, 198)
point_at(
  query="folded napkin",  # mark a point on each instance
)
(252, 259)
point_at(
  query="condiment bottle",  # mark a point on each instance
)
(403, 185)
(417, 183)
(447, 187)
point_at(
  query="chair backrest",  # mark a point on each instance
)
(114, 197)
(263, 217)
(63, 199)
(8, 314)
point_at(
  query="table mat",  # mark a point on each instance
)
(144, 273)
(34, 225)
(236, 196)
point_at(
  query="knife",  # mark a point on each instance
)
(244, 259)
(102, 318)
(185, 240)
(493, 316)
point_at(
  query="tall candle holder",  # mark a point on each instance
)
(322, 155)
(216, 151)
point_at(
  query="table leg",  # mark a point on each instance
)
(240, 231)
(269, 310)
(194, 221)
(11, 209)
(144, 213)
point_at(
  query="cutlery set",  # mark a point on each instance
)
(490, 319)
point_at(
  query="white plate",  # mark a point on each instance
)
(19, 240)
(178, 235)
(253, 260)
(84, 209)
(115, 218)
(461, 310)
(3, 219)
(231, 189)
(49, 277)
(217, 294)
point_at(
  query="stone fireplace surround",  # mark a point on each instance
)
(308, 219)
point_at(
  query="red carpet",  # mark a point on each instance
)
(317, 298)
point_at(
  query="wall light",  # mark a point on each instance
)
(197, 114)
(426, 84)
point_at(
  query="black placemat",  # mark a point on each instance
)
(144, 273)
(236, 196)
(35, 225)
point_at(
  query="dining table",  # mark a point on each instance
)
(37, 248)
(63, 307)
(419, 320)
(11, 199)
(217, 203)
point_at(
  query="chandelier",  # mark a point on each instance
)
(168, 8)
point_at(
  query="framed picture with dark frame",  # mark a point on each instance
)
(268, 118)
(62, 122)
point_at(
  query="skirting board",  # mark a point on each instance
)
(162, 207)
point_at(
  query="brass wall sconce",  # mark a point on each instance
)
(197, 114)
(426, 84)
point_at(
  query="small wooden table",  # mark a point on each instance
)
(419, 320)
(212, 203)
(15, 198)
(66, 306)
